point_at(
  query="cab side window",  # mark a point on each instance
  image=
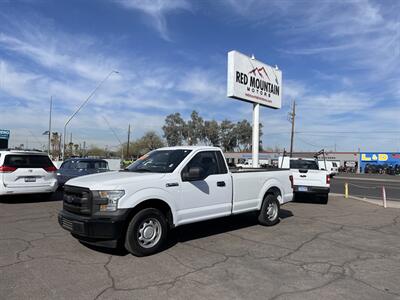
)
(206, 161)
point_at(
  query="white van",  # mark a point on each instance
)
(26, 172)
(331, 166)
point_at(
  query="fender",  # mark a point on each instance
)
(149, 194)
(270, 183)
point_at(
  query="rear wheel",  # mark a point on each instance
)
(146, 233)
(269, 213)
(323, 198)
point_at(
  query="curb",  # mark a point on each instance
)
(389, 204)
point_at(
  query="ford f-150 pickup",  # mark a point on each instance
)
(165, 188)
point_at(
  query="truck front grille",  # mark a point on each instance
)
(77, 200)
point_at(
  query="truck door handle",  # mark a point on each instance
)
(171, 184)
(221, 183)
(303, 176)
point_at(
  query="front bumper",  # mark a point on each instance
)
(311, 190)
(103, 230)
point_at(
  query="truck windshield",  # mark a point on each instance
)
(159, 161)
(303, 164)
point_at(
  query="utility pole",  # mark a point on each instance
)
(51, 105)
(291, 118)
(129, 137)
(59, 146)
(120, 143)
(84, 148)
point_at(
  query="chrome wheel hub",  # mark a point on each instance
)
(272, 211)
(149, 233)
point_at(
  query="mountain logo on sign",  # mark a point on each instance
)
(260, 72)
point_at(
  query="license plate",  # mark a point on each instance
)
(30, 179)
(302, 189)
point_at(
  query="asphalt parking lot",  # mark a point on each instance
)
(346, 249)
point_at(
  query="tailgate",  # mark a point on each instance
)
(315, 178)
(24, 177)
(27, 170)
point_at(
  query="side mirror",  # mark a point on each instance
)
(193, 174)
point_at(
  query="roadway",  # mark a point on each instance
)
(368, 186)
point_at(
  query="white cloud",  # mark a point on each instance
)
(361, 35)
(157, 11)
(68, 67)
(204, 85)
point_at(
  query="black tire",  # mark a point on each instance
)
(323, 198)
(46, 196)
(265, 218)
(140, 225)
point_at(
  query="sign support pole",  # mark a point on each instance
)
(256, 134)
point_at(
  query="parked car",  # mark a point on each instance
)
(307, 177)
(166, 188)
(75, 167)
(26, 172)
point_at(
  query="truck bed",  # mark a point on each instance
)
(251, 184)
(248, 170)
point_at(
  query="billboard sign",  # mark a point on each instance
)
(253, 81)
(4, 134)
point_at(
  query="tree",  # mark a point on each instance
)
(76, 149)
(227, 135)
(211, 133)
(243, 134)
(95, 151)
(195, 129)
(174, 129)
(148, 142)
(69, 151)
(55, 145)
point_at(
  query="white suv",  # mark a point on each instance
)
(26, 172)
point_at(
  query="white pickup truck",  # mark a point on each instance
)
(308, 178)
(163, 189)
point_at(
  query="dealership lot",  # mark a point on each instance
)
(344, 250)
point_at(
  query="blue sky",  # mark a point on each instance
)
(340, 62)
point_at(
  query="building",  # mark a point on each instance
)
(4, 136)
(380, 162)
(346, 159)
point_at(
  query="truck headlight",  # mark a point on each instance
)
(109, 199)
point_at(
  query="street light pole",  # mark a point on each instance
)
(82, 105)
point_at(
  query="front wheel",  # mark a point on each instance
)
(269, 213)
(146, 233)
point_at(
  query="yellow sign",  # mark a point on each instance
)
(374, 157)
